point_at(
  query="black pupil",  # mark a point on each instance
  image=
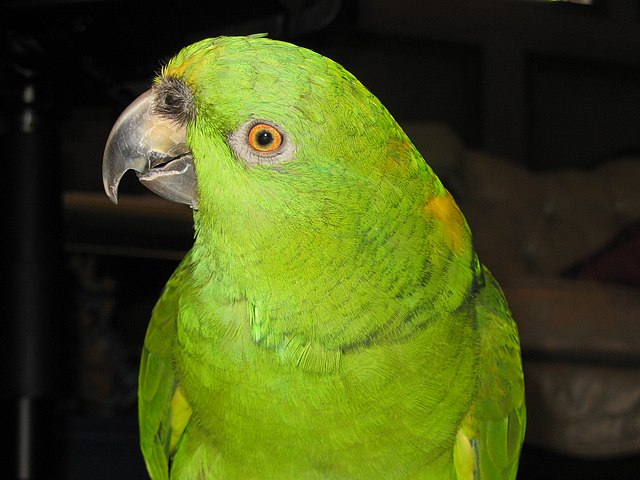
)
(264, 138)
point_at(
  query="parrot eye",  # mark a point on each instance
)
(260, 142)
(264, 138)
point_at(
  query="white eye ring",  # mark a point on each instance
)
(245, 149)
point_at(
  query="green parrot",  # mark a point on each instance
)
(332, 319)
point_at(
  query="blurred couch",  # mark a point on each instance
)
(565, 246)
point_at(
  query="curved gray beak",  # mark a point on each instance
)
(155, 148)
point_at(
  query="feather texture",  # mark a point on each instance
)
(332, 319)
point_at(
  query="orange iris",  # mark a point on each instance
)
(264, 138)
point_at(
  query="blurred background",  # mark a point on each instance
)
(528, 110)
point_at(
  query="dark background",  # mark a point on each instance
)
(547, 85)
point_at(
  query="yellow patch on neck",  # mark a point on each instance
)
(444, 209)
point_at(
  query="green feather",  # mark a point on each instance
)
(332, 319)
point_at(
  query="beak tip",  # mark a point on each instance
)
(112, 191)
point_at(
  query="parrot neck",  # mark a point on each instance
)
(335, 290)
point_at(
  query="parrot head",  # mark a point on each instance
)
(292, 167)
(239, 122)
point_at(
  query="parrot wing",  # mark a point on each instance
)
(489, 441)
(163, 410)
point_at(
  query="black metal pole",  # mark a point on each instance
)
(32, 347)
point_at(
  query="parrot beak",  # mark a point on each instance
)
(155, 148)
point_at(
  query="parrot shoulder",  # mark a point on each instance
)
(163, 410)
